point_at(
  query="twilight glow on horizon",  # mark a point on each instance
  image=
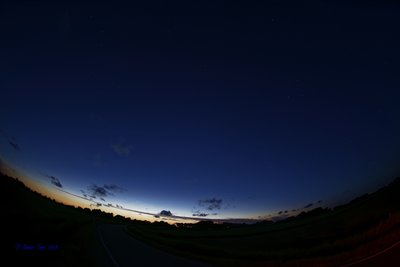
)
(180, 112)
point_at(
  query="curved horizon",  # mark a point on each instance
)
(232, 112)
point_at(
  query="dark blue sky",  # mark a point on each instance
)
(214, 108)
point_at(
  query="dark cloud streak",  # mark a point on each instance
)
(11, 140)
(102, 192)
(55, 181)
(308, 206)
(211, 204)
(98, 191)
(200, 214)
(114, 188)
(14, 145)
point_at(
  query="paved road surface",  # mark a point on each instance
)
(387, 257)
(119, 249)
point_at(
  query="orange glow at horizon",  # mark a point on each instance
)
(69, 199)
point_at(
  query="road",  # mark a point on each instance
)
(387, 257)
(119, 249)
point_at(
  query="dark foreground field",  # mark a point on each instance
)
(42, 232)
(341, 236)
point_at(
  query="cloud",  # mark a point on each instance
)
(55, 181)
(211, 203)
(206, 206)
(98, 191)
(308, 206)
(165, 213)
(14, 145)
(11, 140)
(201, 214)
(101, 192)
(84, 194)
(122, 149)
(114, 188)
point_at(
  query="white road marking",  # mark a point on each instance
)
(107, 249)
(372, 256)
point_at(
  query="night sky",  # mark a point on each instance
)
(210, 109)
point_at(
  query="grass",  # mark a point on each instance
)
(365, 222)
(362, 227)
